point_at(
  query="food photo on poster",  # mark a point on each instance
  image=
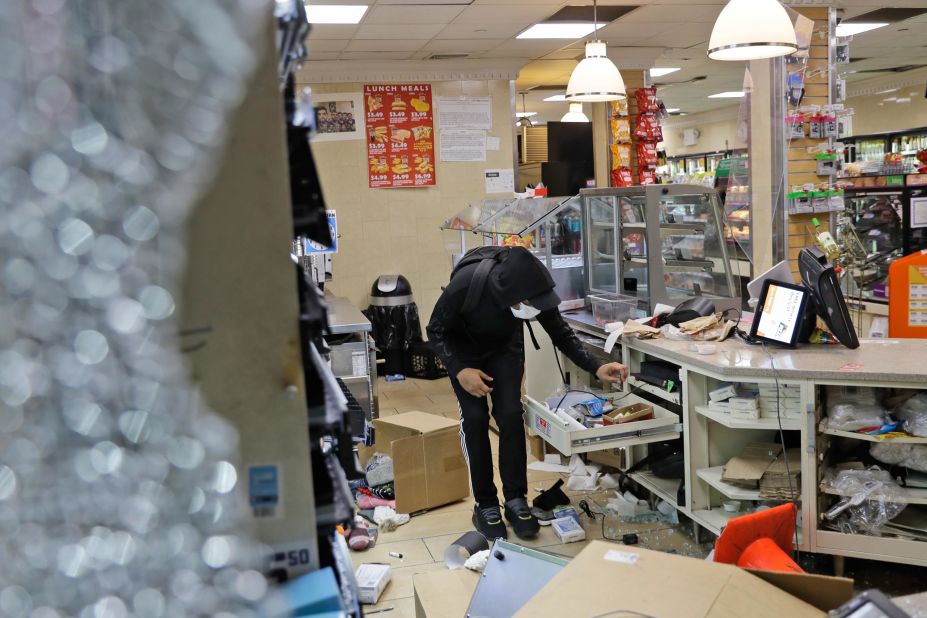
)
(400, 135)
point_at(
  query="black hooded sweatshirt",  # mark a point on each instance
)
(464, 340)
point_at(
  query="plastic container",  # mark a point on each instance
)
(607, 308)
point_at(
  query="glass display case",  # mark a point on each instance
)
(660, 244)
(550, 227)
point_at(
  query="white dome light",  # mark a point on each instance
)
(575, 114)
(752, 30)
(595, 78)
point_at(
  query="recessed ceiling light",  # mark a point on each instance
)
(903, 100)
(845, 29)
(733, 94)
(556, 98)
(672, 110)
(525, 114)
(335, 13)
(887, 91)
(660, 72)
(890, 99)
(558, 30)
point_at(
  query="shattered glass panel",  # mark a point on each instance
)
(117, 488)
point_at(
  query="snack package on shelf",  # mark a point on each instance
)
(648, 128)
(621, 177)
(647, 176)
(621, 156)
(647, 100)
(618, 108)
(647, 154)
(621, 130)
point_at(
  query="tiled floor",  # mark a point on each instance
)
(423, 540)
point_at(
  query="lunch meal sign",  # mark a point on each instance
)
(400, 135)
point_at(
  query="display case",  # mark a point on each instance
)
(877, 219)
(660, 244)
(550, 227)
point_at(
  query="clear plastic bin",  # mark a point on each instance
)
(608, 308)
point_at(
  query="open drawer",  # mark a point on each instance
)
(664, 426)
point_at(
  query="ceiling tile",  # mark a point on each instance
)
(526, 14)
(489, 30)
(423, 2)
(332, 31)
(698, 13)
(516, 2)
(462, 45)
(400, 14)
(320, 56)
(386, 45)
(570, 53)
(327, 45)
(377, 55)
(616, 31)
(417, 31)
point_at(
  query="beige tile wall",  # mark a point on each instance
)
(388, 231)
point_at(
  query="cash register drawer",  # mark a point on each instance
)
(665, 426)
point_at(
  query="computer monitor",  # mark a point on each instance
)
(819, 277)
(780, 313)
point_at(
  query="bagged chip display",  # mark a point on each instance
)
(621, 130)
(621, 177)
(647, 100)
(621, 156)
(619, 107)
(647, 154)
(647, 176)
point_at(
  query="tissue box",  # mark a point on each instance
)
(747, 414)
(719, 406)
(568, 530)
(743, 403)
(371, 580)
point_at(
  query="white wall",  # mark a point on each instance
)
(390, 231)
(718, 130)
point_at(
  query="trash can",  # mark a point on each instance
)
(395, 321)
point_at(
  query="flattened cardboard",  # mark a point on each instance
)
(748, 467)
(439, 594)
(659, 584)
(428, 464)
(823, 591)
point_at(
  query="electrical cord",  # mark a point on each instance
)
(597, 396)
(785, 452)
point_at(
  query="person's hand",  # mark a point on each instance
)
(474, 382)
(612, 373)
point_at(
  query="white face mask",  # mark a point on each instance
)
(525, 312)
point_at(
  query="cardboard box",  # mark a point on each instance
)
(439, 594)
(535, 446)
(627, 414)
(612, 457)
(606, 577)
(429, 467)
(371, 581)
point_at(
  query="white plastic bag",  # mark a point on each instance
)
(913, 456)
(913, 413)
(853, 416)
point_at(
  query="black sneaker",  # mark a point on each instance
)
(518, 513)
(489, 522)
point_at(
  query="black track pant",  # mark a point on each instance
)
(506, 370)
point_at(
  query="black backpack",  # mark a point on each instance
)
(487, 257)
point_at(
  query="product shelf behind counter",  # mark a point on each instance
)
(711, 438)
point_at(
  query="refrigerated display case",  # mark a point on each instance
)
(660, 244)
(873, 148)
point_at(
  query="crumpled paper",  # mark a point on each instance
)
(388, 519)
(697, 325)
(477, 562)
(641, 331)
(705, 328)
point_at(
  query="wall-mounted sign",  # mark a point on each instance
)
(400, 135)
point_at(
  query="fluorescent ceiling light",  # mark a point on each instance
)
(558, 30)
(335, 13)
(903, 100)
(752, 30)
(525, 114)
(672, 110)
(890, 99)
(556, 98)
(887, 91)
(660, 72)
(733, 94)
(844, 29)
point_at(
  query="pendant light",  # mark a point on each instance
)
(575, 114)
(524, 121)
(595, 78)
(752, 30)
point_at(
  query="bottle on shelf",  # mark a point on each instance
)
(825, 241)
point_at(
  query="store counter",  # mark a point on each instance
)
(710, 437)
(344, 317)
(353, 357)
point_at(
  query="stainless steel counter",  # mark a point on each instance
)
(885, 361)
(582, 321)
(344, 317)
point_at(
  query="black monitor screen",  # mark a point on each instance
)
(820, 278)
(779, 313)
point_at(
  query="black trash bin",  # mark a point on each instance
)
(396, 325)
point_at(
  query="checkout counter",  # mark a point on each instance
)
(711, 438)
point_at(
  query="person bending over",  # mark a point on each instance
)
(477, 330)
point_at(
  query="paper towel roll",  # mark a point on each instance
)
(457, 553)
